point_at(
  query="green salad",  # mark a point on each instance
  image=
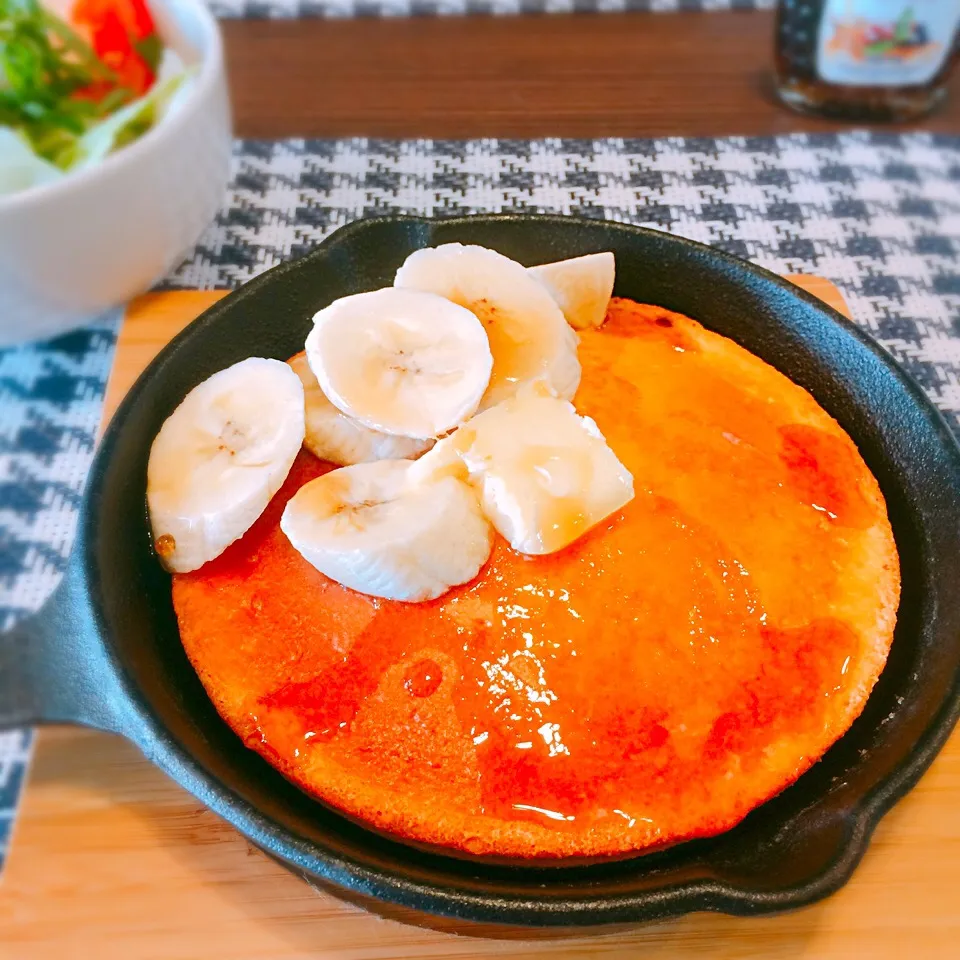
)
(73, 91)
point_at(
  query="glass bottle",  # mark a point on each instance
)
(865, 60)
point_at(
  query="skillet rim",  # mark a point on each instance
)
(302, 855)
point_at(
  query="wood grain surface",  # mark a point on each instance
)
(610, 75)
(112, 860)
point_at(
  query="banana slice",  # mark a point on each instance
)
(400, 361)
(333, 436)
(582, 287)
(544, 474)
(220, 457)
(371, 529)
(529, 337)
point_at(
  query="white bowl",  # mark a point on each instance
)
(75, 247)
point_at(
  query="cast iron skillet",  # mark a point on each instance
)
(105, 650)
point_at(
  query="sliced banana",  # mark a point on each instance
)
(582, 287)
(333, 436)
(529, 337)
(220, 457)
(403, 362)
(544, 475)
(371, 529)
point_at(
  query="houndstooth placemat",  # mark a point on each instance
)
(338, 9)
(879, 214)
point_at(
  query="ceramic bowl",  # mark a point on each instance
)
(75, 247)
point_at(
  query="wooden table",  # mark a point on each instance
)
(111, 860)
(617, 75)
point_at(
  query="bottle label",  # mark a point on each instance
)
(885, 43)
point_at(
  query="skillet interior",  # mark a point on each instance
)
(799, 846)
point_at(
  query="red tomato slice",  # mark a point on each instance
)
(115, 26)
(133, 14)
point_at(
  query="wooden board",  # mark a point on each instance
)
(110, 859)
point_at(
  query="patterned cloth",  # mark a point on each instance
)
(338, 9)
(879, 214)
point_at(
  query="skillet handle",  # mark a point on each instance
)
(54, 668)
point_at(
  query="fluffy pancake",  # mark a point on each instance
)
(653, 682)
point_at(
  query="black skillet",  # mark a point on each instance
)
(105, 650)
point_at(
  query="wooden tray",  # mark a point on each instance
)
(112, 860)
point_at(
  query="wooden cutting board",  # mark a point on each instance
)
(112, 860)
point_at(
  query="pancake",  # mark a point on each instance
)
(654, 682)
